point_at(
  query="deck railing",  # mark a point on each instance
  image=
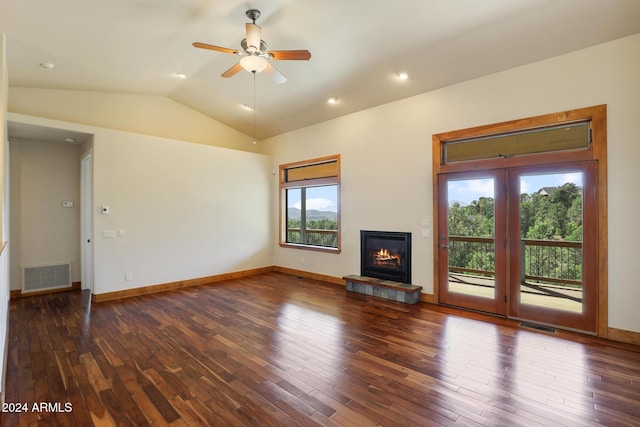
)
(313, 237)
(546, 261)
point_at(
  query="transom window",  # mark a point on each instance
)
(309, 201)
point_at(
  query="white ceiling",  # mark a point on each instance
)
(358, 47)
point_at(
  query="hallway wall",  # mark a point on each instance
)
(42, 232)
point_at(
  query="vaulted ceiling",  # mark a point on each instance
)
(358, 49)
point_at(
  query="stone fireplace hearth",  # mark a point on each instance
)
(385, 267)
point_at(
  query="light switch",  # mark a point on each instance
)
(67, 204)
(108, 234)
(122, 233)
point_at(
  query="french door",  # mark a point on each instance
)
(521, 242)
(472, 255)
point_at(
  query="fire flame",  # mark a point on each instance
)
(383, 255)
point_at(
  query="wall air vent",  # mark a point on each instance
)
(45, 277)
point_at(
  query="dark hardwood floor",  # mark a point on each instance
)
(273, 350)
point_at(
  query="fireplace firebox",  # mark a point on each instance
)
(386, 255)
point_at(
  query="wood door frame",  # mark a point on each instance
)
(86, 221)
(597, 116)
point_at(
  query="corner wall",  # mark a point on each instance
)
(184, 210)
(177, 210)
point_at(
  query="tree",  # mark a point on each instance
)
(557, 216)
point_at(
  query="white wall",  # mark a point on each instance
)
(391, 146)
(187, 210)
(42, 232)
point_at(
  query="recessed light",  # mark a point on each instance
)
(181, 75)
(247, 107)
(47, 65)
(332, 100)
(403, 76)
(69, 139)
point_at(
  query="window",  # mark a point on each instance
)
(564, 137)
(310, 214)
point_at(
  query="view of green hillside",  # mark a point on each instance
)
(557, 216)
(321, 227)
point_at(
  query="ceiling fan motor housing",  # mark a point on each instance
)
(245, 48)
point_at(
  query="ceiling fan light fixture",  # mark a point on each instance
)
(253, 63)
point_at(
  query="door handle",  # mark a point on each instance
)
(443, 246)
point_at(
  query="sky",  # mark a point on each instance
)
(323, 198)
(466, 191)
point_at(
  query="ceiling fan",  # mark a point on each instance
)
(255, 54)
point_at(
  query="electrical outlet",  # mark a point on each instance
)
(128, 277)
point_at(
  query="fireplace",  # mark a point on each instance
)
(386, 255)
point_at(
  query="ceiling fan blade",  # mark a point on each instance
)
(253, 36)
(302, 55)
(216, 48)
(232, 71)
(277, 76)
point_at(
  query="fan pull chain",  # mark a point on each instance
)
(254, 106)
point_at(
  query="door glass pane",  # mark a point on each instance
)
(551, 219)
(471, 240)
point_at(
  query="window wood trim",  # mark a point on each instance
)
(597, 151)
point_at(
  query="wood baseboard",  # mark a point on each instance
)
(623, 336)
(613, 334)
(309, 275)
(163, 287)
(427, 298)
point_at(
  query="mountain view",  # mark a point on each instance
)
(312, 214)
